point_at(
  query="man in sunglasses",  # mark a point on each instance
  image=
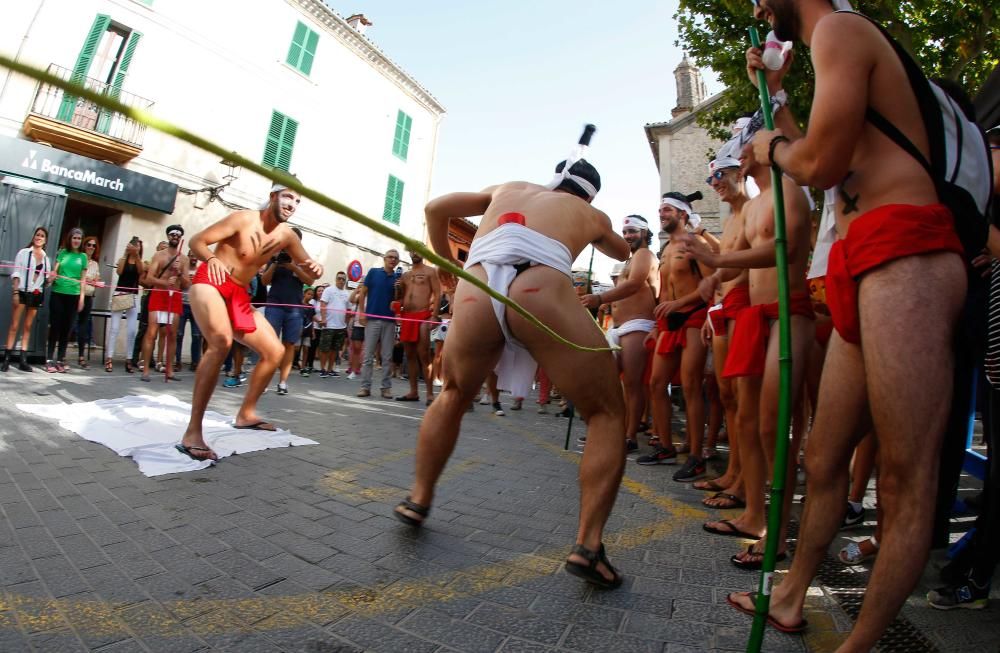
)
(896, 284)
(376, 294)
(632, 302)
(167, 278)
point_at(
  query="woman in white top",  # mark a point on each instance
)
(31, 270)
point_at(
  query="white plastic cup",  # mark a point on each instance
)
(775, 52)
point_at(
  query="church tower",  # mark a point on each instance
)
(690, 87)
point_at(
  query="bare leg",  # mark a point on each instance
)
(864, 463)
(754, 464)
(29, 321)
(413, 367)
(714, 412)
(265, 342)
(15, 319)
(148, 340)
(732, 480)
(692, 375)
(171, 343)
(424, 356)
(632, 359)
(286, 362)
(664, 368)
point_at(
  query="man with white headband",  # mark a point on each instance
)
(896, 284)
(680, 315)
(527, 240)
(244, 241)
(729, 183)
(632, 302)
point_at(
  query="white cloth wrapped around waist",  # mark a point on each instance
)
(615, 334)
(498, 252)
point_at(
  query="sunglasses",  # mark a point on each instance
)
(90, 245)
(175, 233)
(717, 175)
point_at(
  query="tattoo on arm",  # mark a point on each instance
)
(850, 203)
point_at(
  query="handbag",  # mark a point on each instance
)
(123, 301)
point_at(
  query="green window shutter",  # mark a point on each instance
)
(83, 61)
(280, 141)
(104, 119)
(302, 51)
(393, 200)
(401, 139)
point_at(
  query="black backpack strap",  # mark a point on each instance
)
(882, 123)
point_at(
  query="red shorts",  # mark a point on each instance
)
(748, 346)
(167, 301)
(237, 300)
(409, 329)
(735, 301)
(671, 341)
(882, 235)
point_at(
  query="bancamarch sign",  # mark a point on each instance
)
(43, 163)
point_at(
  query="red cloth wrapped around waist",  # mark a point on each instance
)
(237, 300)
(670, 341)
(171, 301)
(735, 301)
(879, 236)
(409, 328)
(748, 346)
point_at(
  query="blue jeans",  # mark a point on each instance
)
(186, 317)
(286, 322)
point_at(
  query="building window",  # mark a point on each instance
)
(401, 141)
(302, 51)
(280, 141)
(393, 200)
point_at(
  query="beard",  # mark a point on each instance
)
(417, 260)
(786, 19)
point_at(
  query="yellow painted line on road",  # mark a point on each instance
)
(343, 482)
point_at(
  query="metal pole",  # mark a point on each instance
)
(785, 384)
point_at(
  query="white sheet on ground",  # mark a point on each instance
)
(147, 428)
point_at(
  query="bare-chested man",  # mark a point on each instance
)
(895, 298)
(420, 290)
(525, 246)
(244, 241)
(752, 358)
(167, 278)
(728, 182)
(632, 302)
(680, 315)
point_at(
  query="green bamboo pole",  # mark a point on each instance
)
(785, 384)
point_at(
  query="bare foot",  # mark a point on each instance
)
(787, 621)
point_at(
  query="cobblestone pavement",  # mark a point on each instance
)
(295, 549)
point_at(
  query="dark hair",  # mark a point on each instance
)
(581, 168)
(173, 227)
(65, 245)
(649, 233)
(297, 232)
(97, 247)
(31, 243)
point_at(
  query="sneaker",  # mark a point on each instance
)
(364, 392)
(243, 377)
(543, 409)
(351, 376)
(282, 389)
(965, 594)
(853, 518)
(660, 456)
(231, 382)
(631, 445)
(484, 400)
(516, 404)
(692, 470)
(306, 372)
(498, 409)
(333, 373)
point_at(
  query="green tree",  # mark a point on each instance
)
(955, 39)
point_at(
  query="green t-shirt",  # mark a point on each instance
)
(70, 265)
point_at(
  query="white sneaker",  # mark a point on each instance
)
(438, 383)
(352, 376)
(484, 400)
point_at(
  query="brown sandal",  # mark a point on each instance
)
(109, 366)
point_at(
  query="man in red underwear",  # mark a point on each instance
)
(753, 349)
(896, 283)
(680, 316)
(167, 278)
(727, 180)
(421, 292)
(220, 301)
(527, 241)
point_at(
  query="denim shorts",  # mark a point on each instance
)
(286, 322)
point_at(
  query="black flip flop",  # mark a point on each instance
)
(771, 621)
(734, 500)
(589, 571)
(187, 452)
(754, 565)
(407, 504)
(732, 531)
(405, 398)
(256, 426)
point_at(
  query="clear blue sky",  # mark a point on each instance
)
(520, 79)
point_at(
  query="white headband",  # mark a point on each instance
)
(694, 220)
(278, 187)
(723, 162)
(677, 204)
(587, 187)
(635, 222)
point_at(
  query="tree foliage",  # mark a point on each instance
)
(954, 39)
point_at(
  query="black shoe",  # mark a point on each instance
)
(333, 373)
(498, 410)
(631, 445)
(692, 470)
(22, 363)
(965, 594)
(322, 374)
(660, 456)
(282, 389)
(853, 518)
(5, 363)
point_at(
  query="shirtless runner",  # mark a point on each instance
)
(632, 302)
(728, 182)
(525, 246)
(680, 316)
(167, 278)
(244, 241)
(877, 362)
(752, 359)
(421, 292)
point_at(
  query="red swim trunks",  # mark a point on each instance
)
(237, 299)
(165, 300)
(882, 235)
(748, 346)
(670, 341)
(409, 329)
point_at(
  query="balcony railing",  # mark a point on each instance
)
(51, 102)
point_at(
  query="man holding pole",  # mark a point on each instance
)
(882, 280)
